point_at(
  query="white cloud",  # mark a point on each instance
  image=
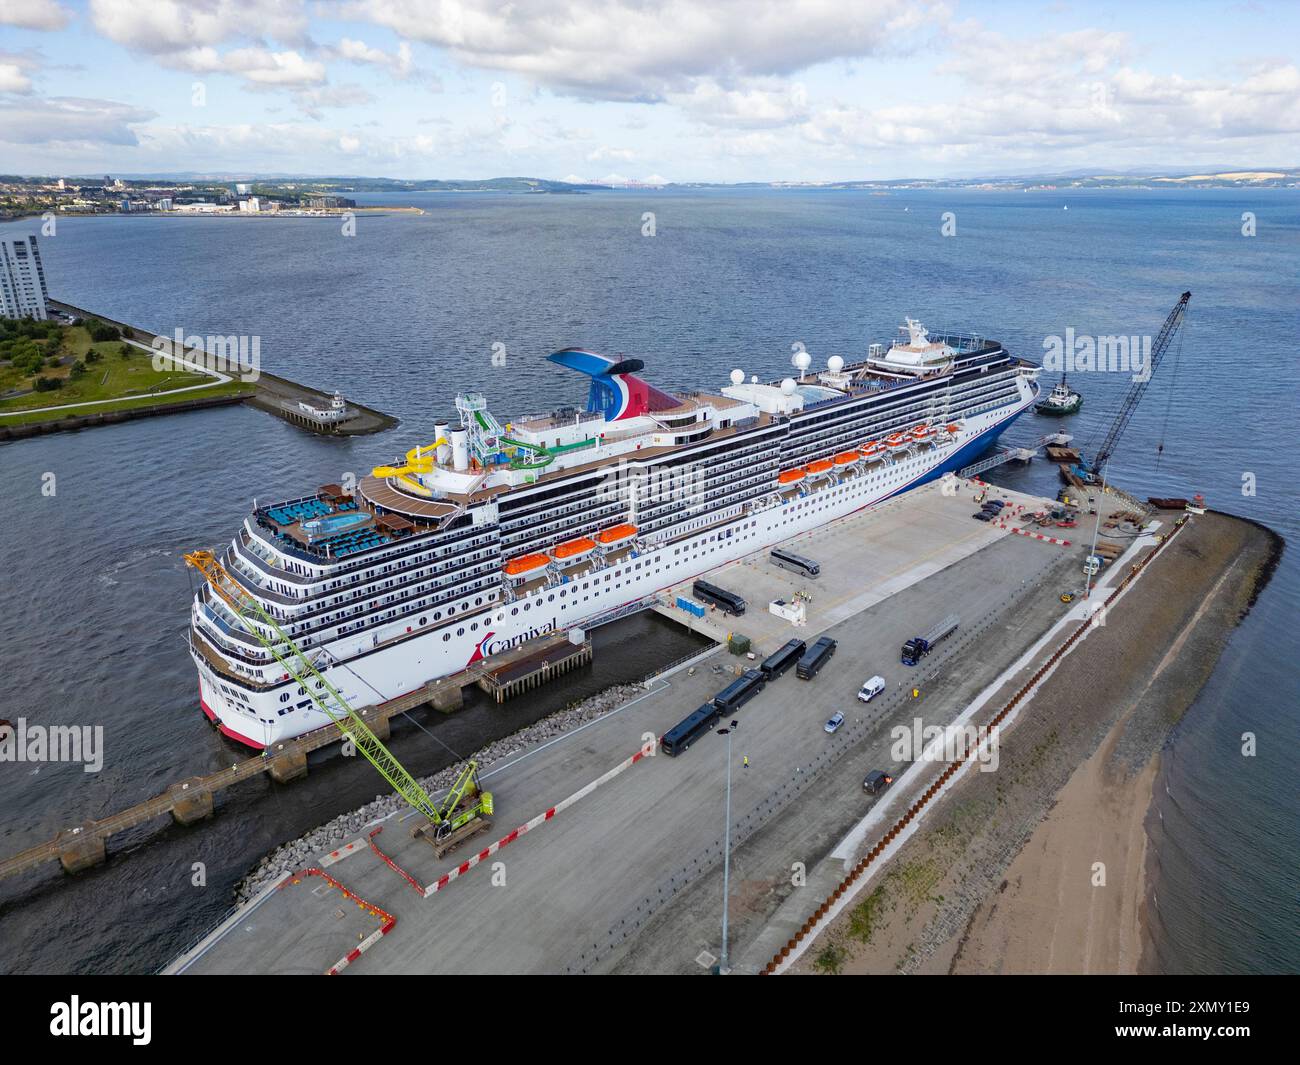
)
(607, 154)
(645, 49)
(312, 102)
(70, 120)
(158, 26)
(15, 72)
(754, 107)
(34, 14)
(399, 63)
(186, 35)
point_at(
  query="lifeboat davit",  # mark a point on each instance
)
(846, 457)
(616, 534)
(791, 476)
(525, 564)
(574, 550)
(820, 466)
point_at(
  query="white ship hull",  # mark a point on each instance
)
(368, 673)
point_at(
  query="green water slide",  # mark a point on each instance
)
(546, 455)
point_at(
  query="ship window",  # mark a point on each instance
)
(460, 632)
(284, 698)
(424, 621)
(446, 636)
(514, 611)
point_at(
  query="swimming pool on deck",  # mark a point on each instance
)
(335, 523)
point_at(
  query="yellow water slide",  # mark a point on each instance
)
(419, 459)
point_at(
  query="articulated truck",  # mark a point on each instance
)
(919, 646)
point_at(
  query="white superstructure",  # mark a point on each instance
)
(495, 533)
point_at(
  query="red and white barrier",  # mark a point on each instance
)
(1033, 535)
(387, 918)
(541, 818)
(361, 948)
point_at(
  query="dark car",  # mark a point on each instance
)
(983, 515)
(877, 781)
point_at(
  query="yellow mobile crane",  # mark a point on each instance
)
(464, 812)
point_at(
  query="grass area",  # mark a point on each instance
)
(863, 916)
(830, 959)
(233, 388)
(110, 374)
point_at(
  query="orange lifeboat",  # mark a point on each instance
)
(571, 550)
(518, 567)
(953, 428)
(616, 534)
(820, 466)
(791, 476)
(896, 441)
(920, 432)
(845, 457)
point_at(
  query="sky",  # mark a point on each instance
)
(648, 90)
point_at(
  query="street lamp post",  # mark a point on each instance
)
(1096, 528)
(726, 854)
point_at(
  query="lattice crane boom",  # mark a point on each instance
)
(1158, 348)
(245, 607)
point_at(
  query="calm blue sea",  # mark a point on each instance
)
(401, 316)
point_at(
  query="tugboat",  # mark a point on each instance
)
(1061, 401)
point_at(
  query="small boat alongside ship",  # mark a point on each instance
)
(1062, 400)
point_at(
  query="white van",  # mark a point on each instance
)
(871, 689)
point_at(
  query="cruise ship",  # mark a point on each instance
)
(498, 532)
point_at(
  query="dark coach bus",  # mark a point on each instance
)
(719, 597)
(686, 732)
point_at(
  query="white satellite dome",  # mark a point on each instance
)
(787, 387)
(737, 377)
(753, 379)
(802, 360)
(835, 364)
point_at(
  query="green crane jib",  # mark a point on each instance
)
(322, 692)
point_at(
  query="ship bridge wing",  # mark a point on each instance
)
(616, 391)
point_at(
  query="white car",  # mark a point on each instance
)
(834, 723)
(871, 689)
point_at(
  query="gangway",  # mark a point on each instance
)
(1010, 454)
